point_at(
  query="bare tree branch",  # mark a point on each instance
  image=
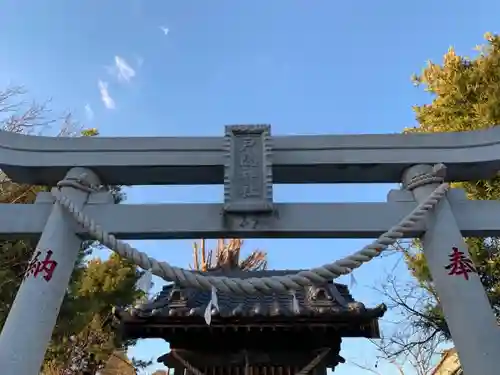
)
(415, 335)
(367, 368)
(19, 115)
(364, 367)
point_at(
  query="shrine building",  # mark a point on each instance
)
(252, 334)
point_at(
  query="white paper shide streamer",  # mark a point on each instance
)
(353, 282)
(145, 281)
(211, 304)
(295, 303)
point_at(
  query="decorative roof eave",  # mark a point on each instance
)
(329, 306)
(330, 317)
(162, 301)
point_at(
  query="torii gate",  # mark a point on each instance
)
(248, 161)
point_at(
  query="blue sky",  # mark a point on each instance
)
(306, 67)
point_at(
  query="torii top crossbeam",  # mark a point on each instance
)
(248, 161)
(376, 158)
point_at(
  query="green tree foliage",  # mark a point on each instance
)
(82, 333)
(83, 328)
(465, 96)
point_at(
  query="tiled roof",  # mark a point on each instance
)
(327, 300)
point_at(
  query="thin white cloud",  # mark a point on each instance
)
(89, 113)
(139, 61)
(122, 70)
(165, 30)
(108, 101)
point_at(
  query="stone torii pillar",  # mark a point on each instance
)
(33, 315)
(468, 313)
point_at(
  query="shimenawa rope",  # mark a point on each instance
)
(267, 285)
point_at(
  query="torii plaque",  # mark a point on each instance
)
(248, 181)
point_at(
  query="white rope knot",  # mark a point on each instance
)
(79, 183)
(435, 176)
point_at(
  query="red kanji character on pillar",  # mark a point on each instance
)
(37, 266)
(460, 264)
(32, 265)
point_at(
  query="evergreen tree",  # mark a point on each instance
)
(465, 96)
(82, 338)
